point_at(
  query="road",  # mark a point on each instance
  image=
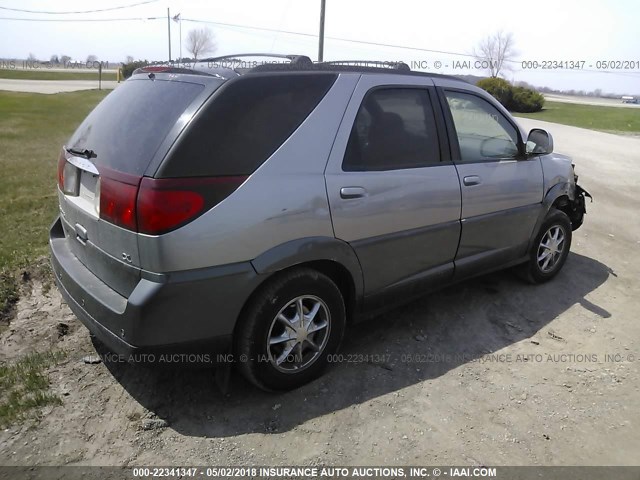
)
(600, 102)
(489, 372)
(52, 86)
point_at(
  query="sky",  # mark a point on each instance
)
(589, 31)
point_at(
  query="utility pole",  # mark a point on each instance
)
(177, 18)
(321, 43)
(169, 32)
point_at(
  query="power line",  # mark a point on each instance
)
(302, 34)
(79, 11)
(233, 25)
(81, 19)
(389, 45)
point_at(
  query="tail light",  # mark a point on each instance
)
(165, 204)
(68, 177)
(118, 193)
(158, 205)
(61, 162)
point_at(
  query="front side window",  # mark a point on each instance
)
(394, 129)
(483, 131)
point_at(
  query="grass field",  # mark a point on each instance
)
(44, 74)
(606, 119)
(24, 385)
(33, 128)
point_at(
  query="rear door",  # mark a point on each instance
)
(394, 196)
(501, 189)
(123, 133)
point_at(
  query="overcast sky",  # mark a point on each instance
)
(589, 30)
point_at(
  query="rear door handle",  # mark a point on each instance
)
(472, 180)
(352, 192)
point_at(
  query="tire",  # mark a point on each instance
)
(269, 336)
(555, 232)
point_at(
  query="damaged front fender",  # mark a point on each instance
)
(577, 207)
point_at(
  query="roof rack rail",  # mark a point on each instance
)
(294, 59)
(153, 69)
(370, 63)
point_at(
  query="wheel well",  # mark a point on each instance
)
(573, 210)
(562, 203)
(341, 277)
(334, 270)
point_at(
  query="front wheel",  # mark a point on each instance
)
(289, 329)
(550, 248)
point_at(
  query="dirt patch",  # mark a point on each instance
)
(488, 372)
(41, 321)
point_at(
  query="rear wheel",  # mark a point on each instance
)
(289, 329)
(550, 248)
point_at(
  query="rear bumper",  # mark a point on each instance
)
(166, 316)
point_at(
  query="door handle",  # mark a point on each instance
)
(472, 180)
(352, 192)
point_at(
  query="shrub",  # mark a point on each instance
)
(128, 68)
(499, 88)
(525, 100)
(514, 99)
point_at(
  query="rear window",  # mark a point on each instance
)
(242, 126)
(127, 127)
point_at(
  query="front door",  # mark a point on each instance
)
(501, 191)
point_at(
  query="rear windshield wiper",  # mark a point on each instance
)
(86, 153)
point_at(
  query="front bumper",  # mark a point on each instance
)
(189, 312)
(578, 207)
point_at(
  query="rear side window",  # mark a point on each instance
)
(127, 127)
(248, 121)
(394, 129)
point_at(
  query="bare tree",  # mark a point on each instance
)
(65, 59)
(200, 41)
(91, 59)
(129, 59)
(495, 51)
(31, 57)
(54, 59)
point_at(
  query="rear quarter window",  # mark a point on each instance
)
(248, 120)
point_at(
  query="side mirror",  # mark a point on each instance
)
(540, 142)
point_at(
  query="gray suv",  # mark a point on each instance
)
(255, 210)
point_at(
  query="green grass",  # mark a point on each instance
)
(24, 385)
(33, 128)
(8, 295)
(606, 119)
(44, 74)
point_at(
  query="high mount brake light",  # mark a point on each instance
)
(155, 69)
